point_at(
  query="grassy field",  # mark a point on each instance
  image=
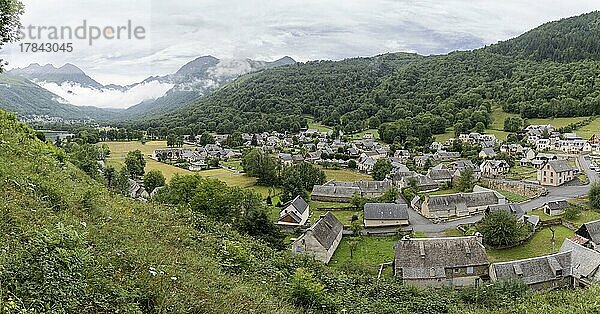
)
(443, 192)
(498, 117)
(346, 175)
(359, 135)
(317, 126)
(344, 216)
(370, 252)
(118, 151)
(556, 122)
(540, 244)
(587, 131)
(325, 205)
(584, 216)
(522, 173)
(453, 232)
(513, 197)
(442, 138)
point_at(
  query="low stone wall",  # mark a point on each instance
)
(517, 187)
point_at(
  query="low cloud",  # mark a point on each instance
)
(77, 95)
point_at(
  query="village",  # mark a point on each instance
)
(542, 176)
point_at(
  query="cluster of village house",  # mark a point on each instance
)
(321, 148)
(458, 261)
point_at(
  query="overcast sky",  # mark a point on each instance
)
(179, 31)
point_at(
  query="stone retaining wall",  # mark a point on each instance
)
(517, 187)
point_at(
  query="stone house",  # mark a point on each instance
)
(539, 273)
(321, 240)
(487, 153)
(441, 262)
(332, 193)
(424, 183)
(385, 215)
(440, 176)
(555, 207)
(136, 191)
(591, 232)
(366, 164)
(585, 263)
(494, 168)
(294, 213)
(514, 209)
(458, 205)
(555, 173)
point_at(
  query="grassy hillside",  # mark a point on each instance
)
(70, 246)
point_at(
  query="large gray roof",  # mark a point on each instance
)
(585, 261)
(593, 230)
(560, 165)
(514, 209)
(535, 270)
(334, 191)
(385, 211)
(428, 257)
(439, 174)
(327, 229)
(298, 203)
(450, 201)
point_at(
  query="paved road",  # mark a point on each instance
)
(566, 191)
(422, 224)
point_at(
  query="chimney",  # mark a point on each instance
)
(479, 237)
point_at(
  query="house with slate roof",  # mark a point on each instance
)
(294, 213)
(555, 207)
(555, 173)
(321, 240)
(591, 232)
(339, 191)
(440, 175)
(441, 262)
(459, 204)
(385, 215)
(539, 273)
(494, 168)
(514, 209)
(585, 264)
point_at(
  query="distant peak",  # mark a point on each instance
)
(287, 59)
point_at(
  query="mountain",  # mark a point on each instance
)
(157, 94)
(198, 79)
(67, 73)
(28, 100)
(409, 98)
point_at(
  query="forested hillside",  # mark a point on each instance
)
(276, 98)
(567, 40)
(69, 245)
(536, 75)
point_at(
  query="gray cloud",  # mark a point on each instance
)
(181, 30)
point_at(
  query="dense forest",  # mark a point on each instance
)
(536, 75)
(71, 245)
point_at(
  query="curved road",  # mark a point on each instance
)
(422, 224)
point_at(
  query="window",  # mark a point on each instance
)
(456, 270)
(470, 270)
